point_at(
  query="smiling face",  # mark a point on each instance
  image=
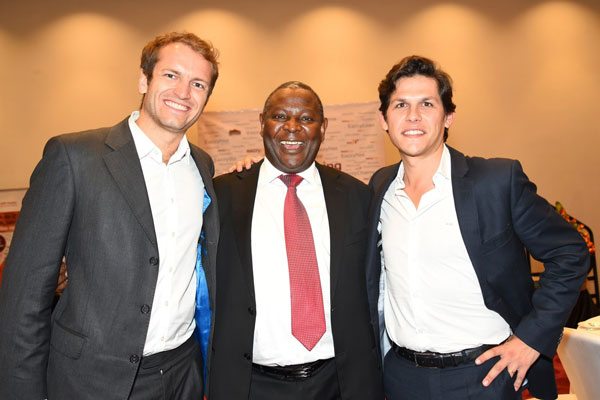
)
(415, 118)
(292, 129)
(177, 93)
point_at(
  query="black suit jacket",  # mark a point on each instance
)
(500, 215)
(87, 201)
(358, 366)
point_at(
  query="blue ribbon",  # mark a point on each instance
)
(203, 311)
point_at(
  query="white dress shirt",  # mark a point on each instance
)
(176, 193)
(273, 340)
(433, 301)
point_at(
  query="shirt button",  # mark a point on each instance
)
(153, 260)
(134, 358)
(251, 310)
(145, 309)
(247, 356)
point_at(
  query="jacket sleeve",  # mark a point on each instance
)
(552, 241)
(30, 275)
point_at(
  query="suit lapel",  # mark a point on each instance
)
(210, 219)
(205, 171)
(124, 165)
(382, 185)
(243, 208)
(466, 207)
(336, 204)
(379, 188)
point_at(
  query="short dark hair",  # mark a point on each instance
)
(296, 85)
(205, 49)
(411, 66)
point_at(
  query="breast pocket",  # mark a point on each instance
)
(498, 240)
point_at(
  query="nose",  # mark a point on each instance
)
(182, 89)
(292, 125)
(414, 114)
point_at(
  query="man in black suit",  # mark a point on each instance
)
(257, 351)
(124, 206)
(449, 233)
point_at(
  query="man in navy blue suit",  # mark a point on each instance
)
(448, 275)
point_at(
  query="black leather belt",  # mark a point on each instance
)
(291, 372)
(431, 359)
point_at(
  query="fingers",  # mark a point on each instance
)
(239, 166)
(246, 163)
(494, 372)
(491, 353)
(519, 381)
(515, 356)
(519, 377)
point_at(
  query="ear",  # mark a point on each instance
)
(142, 83)
(324, 128)
(262, 123)
(448, 120)
(382, 122)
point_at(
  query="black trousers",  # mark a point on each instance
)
(323, 385)
(403, 380)
(171, 375)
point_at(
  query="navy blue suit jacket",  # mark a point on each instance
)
(500, 215)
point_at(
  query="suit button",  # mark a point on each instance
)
(251, 310)
(145, 309)
(247, 356)
(134, 359)
(153, 260)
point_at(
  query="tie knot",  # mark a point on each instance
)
(291, 180)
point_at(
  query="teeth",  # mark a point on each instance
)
(291, 142)
(176, 105)
(414, 132)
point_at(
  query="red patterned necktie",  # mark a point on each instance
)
(308, 317)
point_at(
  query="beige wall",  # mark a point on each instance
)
(527, 73)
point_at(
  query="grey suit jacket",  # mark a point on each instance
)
(87, 201)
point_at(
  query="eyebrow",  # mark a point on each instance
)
(170, 70)
(178, 73)
(420, 99)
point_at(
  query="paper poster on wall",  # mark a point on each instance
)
(353, 141)
(10, 205)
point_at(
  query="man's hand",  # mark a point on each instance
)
(514, 355)
(63, 279)
(246, 163)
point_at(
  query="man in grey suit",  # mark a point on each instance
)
(133, 211)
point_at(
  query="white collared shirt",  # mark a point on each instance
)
(176, 193)
(273, 340)
(433, 300)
